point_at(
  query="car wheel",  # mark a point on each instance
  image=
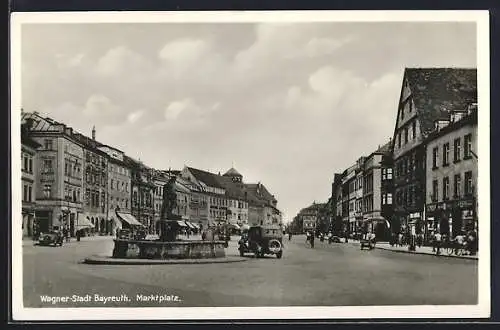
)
(279, 254)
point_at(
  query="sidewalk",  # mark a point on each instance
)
(29, 241)
(427, 250)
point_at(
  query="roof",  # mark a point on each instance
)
(438, 91)
(257, 193)
(208, 178)
(470, 119)
(232, 172)
(233, 189)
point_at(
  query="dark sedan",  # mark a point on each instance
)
(53, 237)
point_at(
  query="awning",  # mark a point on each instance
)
(128, 218)
(83, 221)
(182, 223)
(190, 225)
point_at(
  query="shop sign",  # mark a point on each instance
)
(430, 208)
(465, 204)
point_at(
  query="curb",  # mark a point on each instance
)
(106, 260)
(427, 254)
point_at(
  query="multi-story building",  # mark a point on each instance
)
(59, 175)
(214, 194)
(160, 179)
(95, 183)
(309, 216)
(451, 201)
(338, 206)
(358, 193)
(262, 205)
(142, 186)
(427, 96)
(377, 201)
(232, 180)
(29, 180)
(119, 186)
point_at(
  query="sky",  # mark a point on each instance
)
(287, 105)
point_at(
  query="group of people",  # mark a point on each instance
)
(465, 241)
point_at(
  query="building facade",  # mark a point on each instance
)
(377, 198)
(29, 179)
(119, 187)
(451, 201)
(59, 174)
(142, 186)
(95, 184)
(427, 96)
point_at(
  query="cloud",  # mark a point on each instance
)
(119, 60)
(100, 106)
(182, 51)
(135, 116)
(69, 61)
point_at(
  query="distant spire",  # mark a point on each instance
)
(93, 132)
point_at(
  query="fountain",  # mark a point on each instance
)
(167, 246)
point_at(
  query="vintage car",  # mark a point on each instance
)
(262, 240)
(333, 239)
(124, 234)
(53, 237)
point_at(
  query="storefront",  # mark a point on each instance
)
(451, 217)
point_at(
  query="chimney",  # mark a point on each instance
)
(93, 133)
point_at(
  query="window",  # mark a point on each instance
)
(410, 105)
(467, 146)
(435, 189)
(457, 181)
(446, 188)
(66, 168)
(25, 193)
(30, 193)
(414, 127)
(389, 173)
(406, 135)
(87, 196)
(456, 150)
(47, 166)
(446, 154)
(399, 140)
(112, 184)
(468, 183)
(389, 198)
(25, 168)
(30, 164)
(48, 144)
(47, 191)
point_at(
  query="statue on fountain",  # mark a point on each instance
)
(168, 232)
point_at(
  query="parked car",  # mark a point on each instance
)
(53, 237)
(333, 239)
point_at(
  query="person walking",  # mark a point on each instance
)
(437, 242)
(289, 235)
(311, 240)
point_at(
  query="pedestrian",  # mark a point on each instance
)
(437, 242)
(459, 242)
(312, 240)
(78, 235)
(289, 235)
(400, 239)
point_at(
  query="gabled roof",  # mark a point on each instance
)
(257, 193)
(208, 178)
(438, 91)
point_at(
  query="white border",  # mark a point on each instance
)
(251, 313)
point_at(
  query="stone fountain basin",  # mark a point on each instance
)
(137, 249)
